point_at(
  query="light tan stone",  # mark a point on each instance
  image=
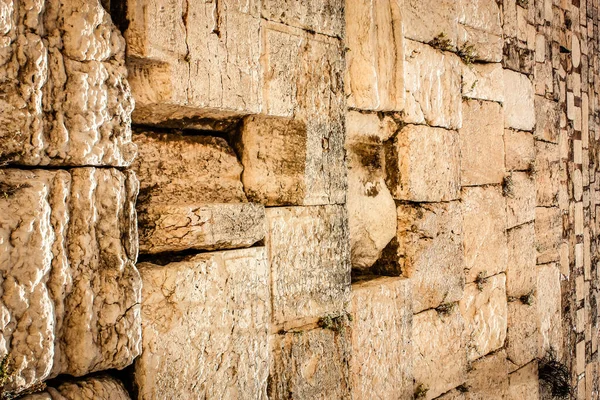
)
(524, 383)
(101, 387)
(521, 273)
(423, 164)
(65, 97)
(483, 82)
(68, 242)
(549, 309)
(488, 378)
(426, 19)
(310, 262)
(430, 252)
(547, 173)
(484, 15)
(484, 227)
(547, 119)
(483, 46)
(369, 127)
(381, 363)
(433, 85)
(288, 163)
(522, 340)
(520, 203)
(439, 343)
(205, 327)
(548, 234)
(481, 144)
(322, 16)
(484, 310)
(520, 150)
(453, 394)
(375, 57)
(519, 109)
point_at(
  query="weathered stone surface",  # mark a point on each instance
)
(205, 327)
(484, 310)
(439, 343)
(519, 109)
(369, 127)
(170, 73)
(375, 60)
(481, 144)
(205, 227)
(381, 363)
(433, 85)
(101, 387)
(482, 46)
(522, 340)
(310, 262)
(547, 114)
(62, 75)
(423, 164)
(70, 290)
(549, 309)
(520, 203)
(322, 16)
(488, 378)
(484, 227)
(547, 173)
(524, 383)
(426, 19)
(288, 163)
(521, 273)
(430, 252)
(519, 150)
(548, 233)
(483, 82)
(310, 365)
(483, 15)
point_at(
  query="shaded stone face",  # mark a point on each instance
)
(519, 107)
(488, 378)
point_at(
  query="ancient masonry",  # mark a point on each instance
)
(299, 199)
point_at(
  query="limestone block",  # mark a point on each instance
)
(524, 383)
(430, 252)
(205, 327)
(547, 173)
(522, 340)
(170, 228)
(481, 143)
(439, 355)
(548, 119)
(65, 97)
(68, 242)
(288, 163)
(369, 127)
(423, 164)
(381, 363)
(309, 257)
(549, 309)
(426, 19)
(519, 109)
(484, 15)
(484, 225)
(171, 76)
(453, 394)
(488, 378)
(520, 203)
(484, 310)
(310, 365)
(484, 46)
(101, 387)
(548, 234)
(322, 16)
(375, 60)
(520, 150)
(432, 81)
(483, 82)
(521, 273)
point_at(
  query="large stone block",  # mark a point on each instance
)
(65, 97)
(548, 234)
(519, 108)
(488, 378)
(484, 310)
(369, 127)
(547, 119)
(426, 19)
(375, 60)
(522, 340)
(309, 257)
(322, 16)
(547, 173)
(480, 45)
(549, 309)
(483, 82)
(100, 387)
(432, 81)
(524, 383)
(484, 15)
(521, 273)
(520, 202)
(439, 355)
(430, 252)
(520, 151)
(481, 143)
(423, 164)
(71, 292)
(381, 363)
(286, 162)
(205, 327)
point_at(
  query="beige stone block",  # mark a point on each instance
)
(548, 115)
(519, 109)
(484, 15)
(205, 319)
(375, 60)
(102, 387)
(439, 349)
(524, 383)
(548, 234)
(547, 173)
(65, 98)
(426, 19)
(453, 394)
(369, 127)
(481, 143)
(520, 203)
(309, 257)
(549, 305)
(520, 151)
(544, 83)
(483, 46)
(522, 340)
(484, 310)
(381, 363)
(488, 378)
(68, 242)
(322, 16)
(430, 252)
(483, 82)
(433, 85)
(423, 164)
(521, 272)
(287, 162)
(484, 224)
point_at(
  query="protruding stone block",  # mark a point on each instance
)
(520, 202)
(547, 114)
(519, 108)
(205, 320)
(321, 16)
(549, 309)
(524, 383)
(483, 82)
(426, 19)
(522, 341)
(548, 234)
(521, 273)
(488, 378)
(547, 173)
(520, 151)
(381, 363)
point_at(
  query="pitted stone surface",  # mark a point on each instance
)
(521, 271)
(524, 383)
(519, 107)
(322, 16)
(522, 340)
(483, 15)
(547, 114)
(520, 151)
(488, 378)
(484, 46)
(95, 388)
(483, 81)
(426, 19)
(520, 205)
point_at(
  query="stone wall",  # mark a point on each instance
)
(330, 199)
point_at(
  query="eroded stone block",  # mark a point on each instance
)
(520, 202)
(322, 16)
(483, 81)
(484, 15)
(482, 46)
(521, 273)
(205, 327)
(101, 387)
(547, 119)
(369, 127)
(522, 344)
(524, 383)
(520, 151)
(549, 309)
(547, 173)
(488, 378)
(426, 19)
(548, 234)
(519, 109)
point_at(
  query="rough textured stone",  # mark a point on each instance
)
(488, 378)
(433, 85)
(522, 340)
(481, 144)
(430, 252)
(548, 233)
(310, 262)
(521, 273)
(65, 99)
(524, 383)
(70, 290)
(94, 388)
(547, 173)
(439, 343)
(322, 16)
(426, 19)
(519, 109)
(549, 309)
(483, 15)
(369, 127)
(423, 164)
(520, 150)
(547, 119)
(205, 227)
(381, 363)
(483, 46)
(520, 203)
(375, 60)
(287, 163)
(484, 309)
(205, 327)
(483, 81)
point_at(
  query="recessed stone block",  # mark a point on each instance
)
(520, 151)
(547, 173)
(520, 203)
(519, 108)
(488, 378)
(521, 273)
(548, 234)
